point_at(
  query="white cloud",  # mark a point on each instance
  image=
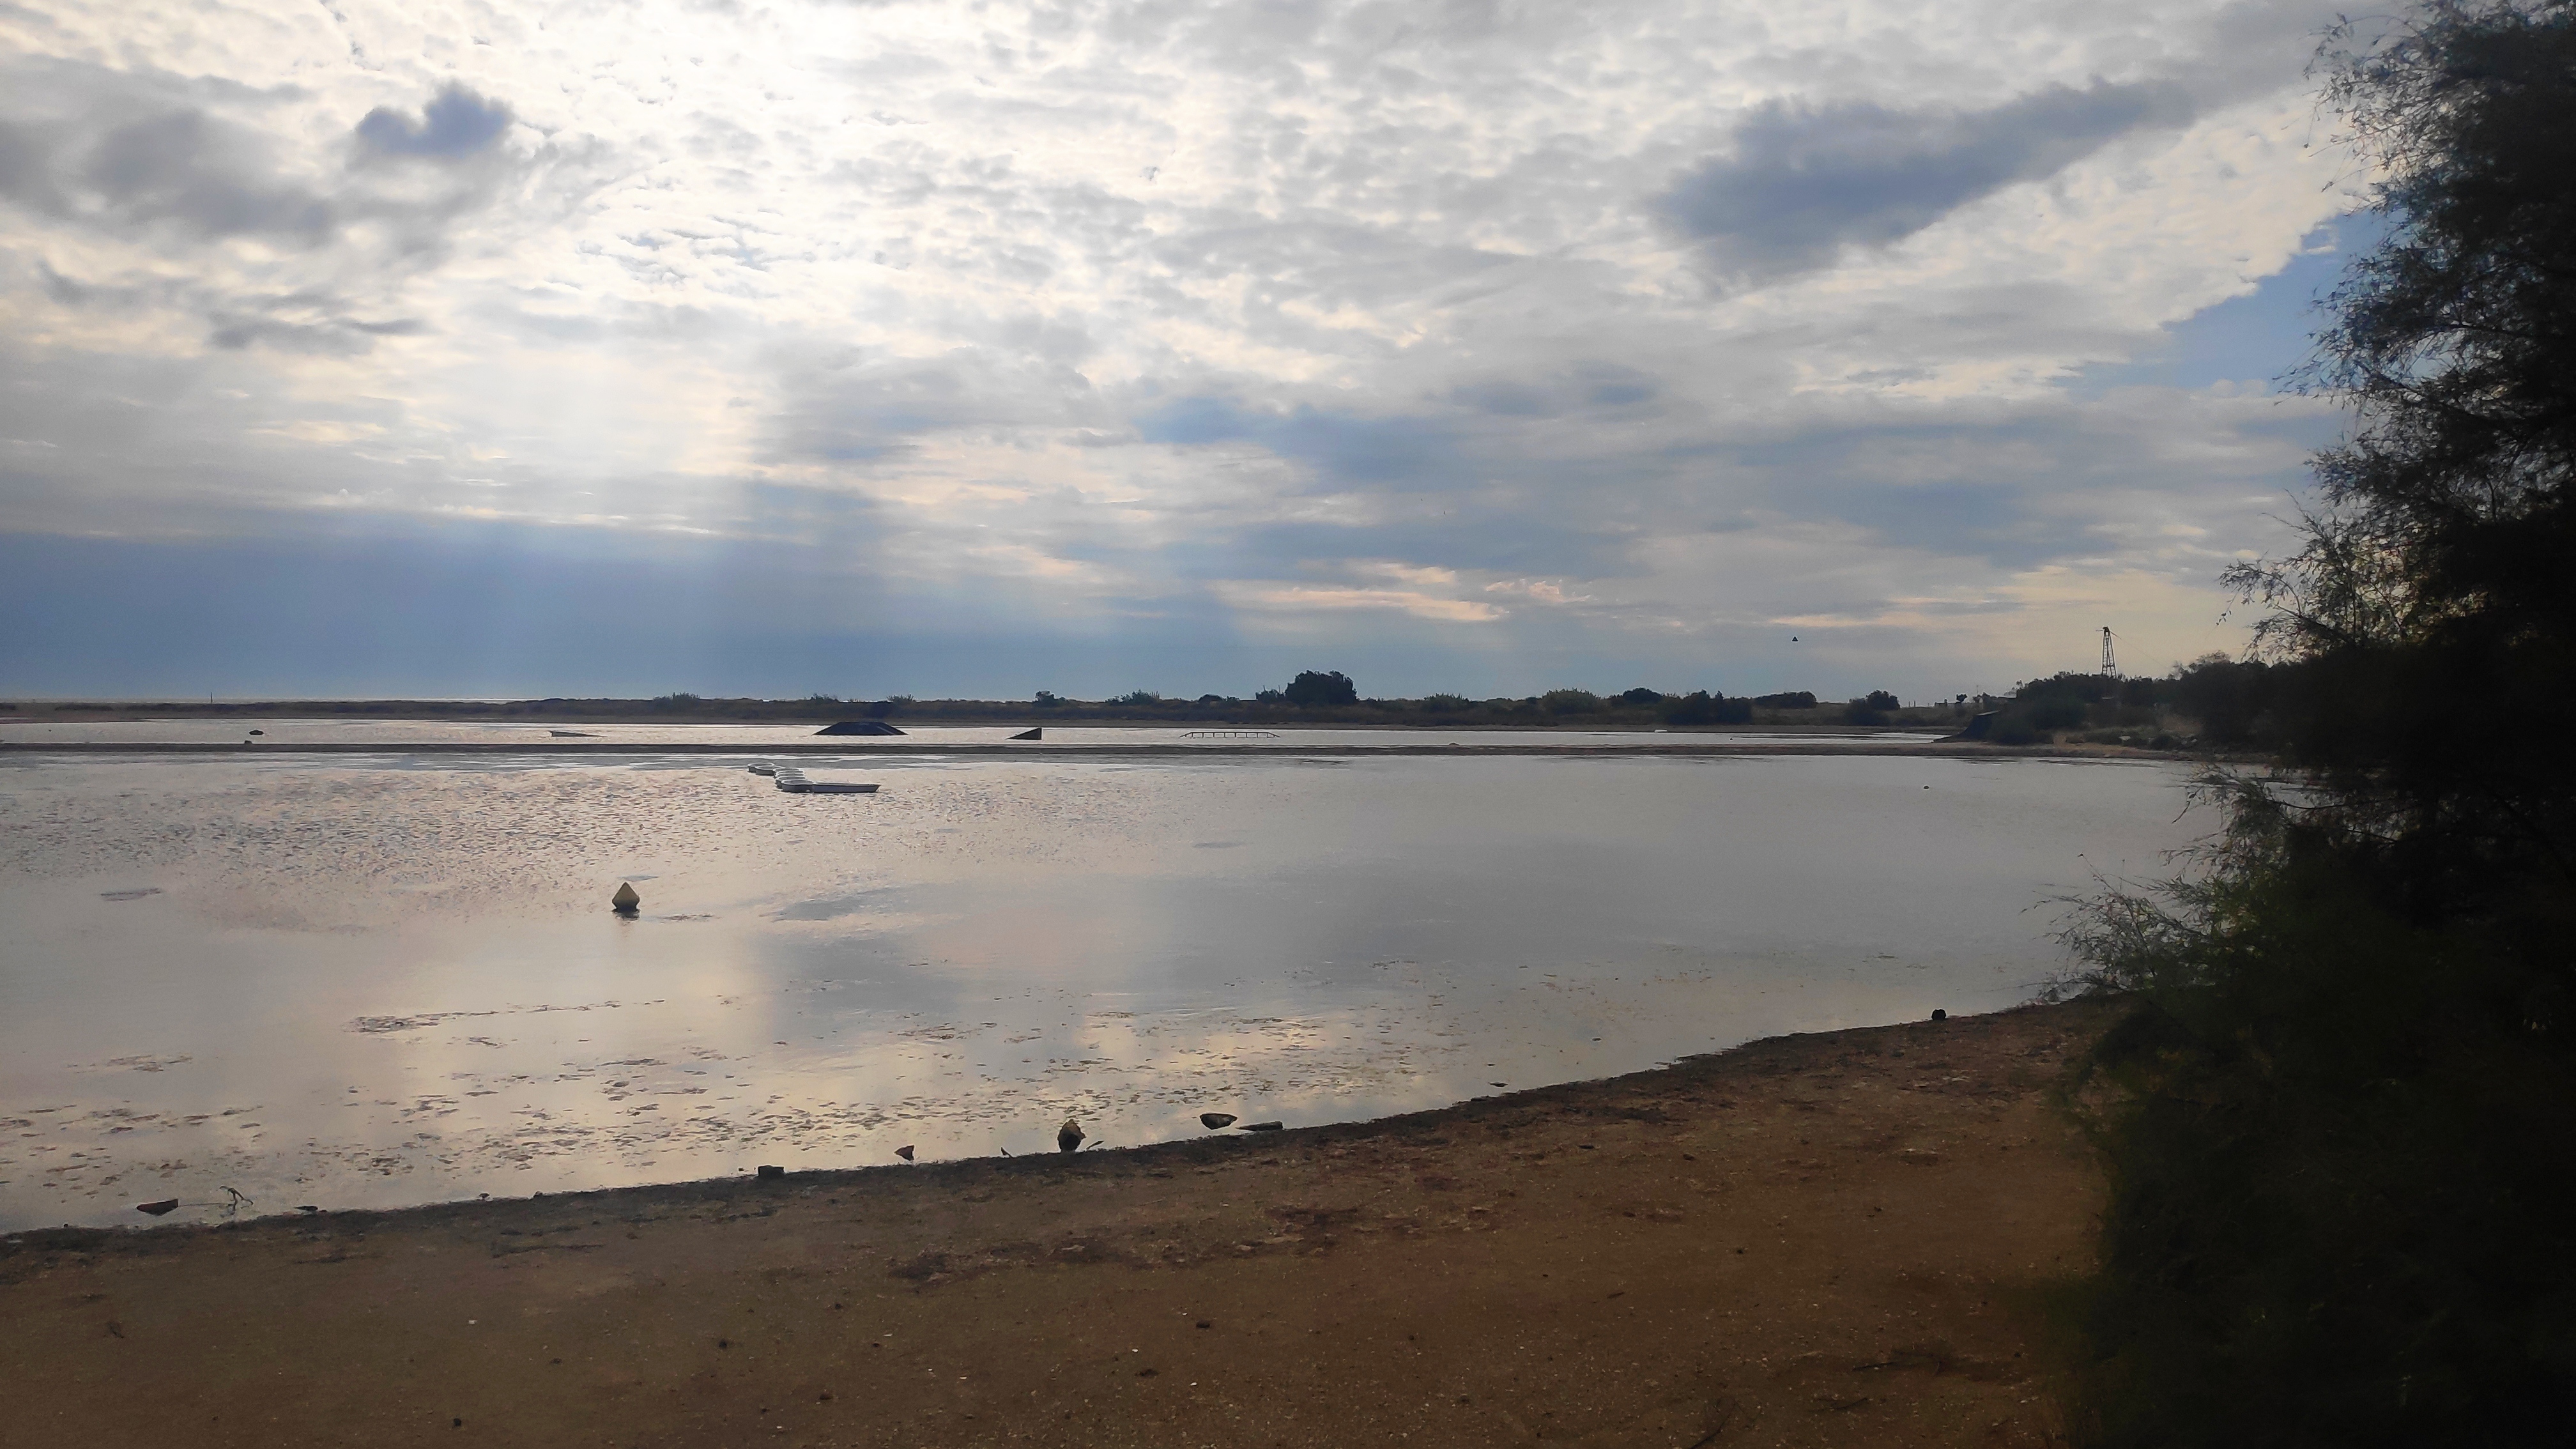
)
(1331, 310)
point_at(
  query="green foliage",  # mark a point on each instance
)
(1446, 703)
(1310, 690)
(2340, 1158)
(1140, 697)
(1570, 701)
(1641, 696)
(2338, 1124)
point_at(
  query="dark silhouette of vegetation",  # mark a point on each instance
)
(2216, 703)
(2231, 699)
(1628, 710)
(1874, 708)
(1700, 707)
(2338, 1120)
(1321, 690)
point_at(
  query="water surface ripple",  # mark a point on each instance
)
(372, 981)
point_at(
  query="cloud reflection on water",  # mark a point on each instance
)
(365, 986)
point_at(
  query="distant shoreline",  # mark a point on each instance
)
(888, 746)
(1588, 713)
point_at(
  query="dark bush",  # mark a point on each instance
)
(1311, 690)
(2336, 1118)
(2082, 688)
(1570, 701)
(1794, 699)
(2055, 714)
(2233, 700)
(1641, 696)
(1699, 707)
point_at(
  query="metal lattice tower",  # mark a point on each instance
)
(2110, 661)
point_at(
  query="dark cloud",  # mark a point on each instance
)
(177, 169)
(1803, 182)
(178, 164)
(1585, 387)
(326, 334)
(455, 123)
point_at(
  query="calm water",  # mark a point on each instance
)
(396, 733)
(371, 980)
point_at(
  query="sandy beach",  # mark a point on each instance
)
(1837, 1238)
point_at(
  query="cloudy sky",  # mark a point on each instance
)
(772, 346)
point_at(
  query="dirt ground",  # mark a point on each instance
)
(1827, 1239)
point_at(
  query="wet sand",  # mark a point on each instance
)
(1835, 1238)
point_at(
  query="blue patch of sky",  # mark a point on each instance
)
(2261, 337)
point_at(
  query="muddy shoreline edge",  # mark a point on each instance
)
(1762, 1056)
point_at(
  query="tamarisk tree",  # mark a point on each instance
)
(2340, 1117)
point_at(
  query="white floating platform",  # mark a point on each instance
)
(793, 781)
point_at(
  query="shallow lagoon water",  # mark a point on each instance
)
(373, 980)
(288, 732)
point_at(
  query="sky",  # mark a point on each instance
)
(471, 349)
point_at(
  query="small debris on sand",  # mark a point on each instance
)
(1322, 1259)
(1216, 1121)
